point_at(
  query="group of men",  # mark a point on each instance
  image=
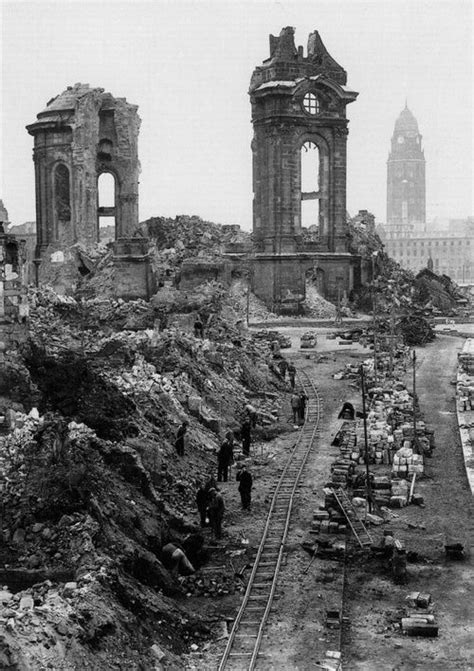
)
(210, 502)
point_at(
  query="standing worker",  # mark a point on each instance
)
(302, 408)
(216, 512)
(246, 436)
(225, 457)
(252, 414)
(244, 478)
(291, 375)
(202, 501)
(180, 438)
(198, 328)
(282, 367)
(295, 406)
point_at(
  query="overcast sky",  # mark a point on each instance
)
(188, 66)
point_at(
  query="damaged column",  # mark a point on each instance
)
(13, 293)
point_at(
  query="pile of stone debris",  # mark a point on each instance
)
(91, 485)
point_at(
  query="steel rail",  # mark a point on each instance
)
(289, 479)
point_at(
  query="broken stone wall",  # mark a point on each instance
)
(133, 277)
(13, 293)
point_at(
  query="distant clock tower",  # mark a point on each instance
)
(406, 208)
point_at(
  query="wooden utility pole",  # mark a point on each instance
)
(247, 311)
(392, 324)
(375, 337)
(368, 485)
(415, 440)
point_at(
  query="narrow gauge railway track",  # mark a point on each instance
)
(245, 638)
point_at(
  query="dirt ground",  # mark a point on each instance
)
(297, 637)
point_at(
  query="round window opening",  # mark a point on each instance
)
(311, 103)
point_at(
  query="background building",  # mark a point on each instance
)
(408, 239)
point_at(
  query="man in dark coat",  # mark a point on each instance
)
(225, 457)
(216, 512)
(295, 406)
(244, 478)
(302, 409)
(202, 501)
(246, 435)
(198, 328)
(180, 437)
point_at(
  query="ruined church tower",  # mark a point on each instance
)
(406, 200)
(83, 136)
(299, 170)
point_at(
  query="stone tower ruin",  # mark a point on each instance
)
(299, 171)
(86, 173)
(85, 136)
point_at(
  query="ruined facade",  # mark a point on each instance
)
(86, 168)
(299, 170)
(406, 197)
(13, 293)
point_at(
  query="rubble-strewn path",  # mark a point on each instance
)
(371, 600)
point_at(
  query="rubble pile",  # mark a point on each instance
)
(189, 236)
(215, 585)
(91, 482)
(242, 303)
(316, 306)
(437, 291)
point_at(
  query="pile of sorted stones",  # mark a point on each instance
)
(419, 618)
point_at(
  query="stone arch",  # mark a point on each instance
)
(321, 193)
(107, 195)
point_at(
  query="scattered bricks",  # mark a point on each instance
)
(320, 515)
(454, 550)
(26, 602)
(382, 482)
(5, 596)
(411, 598)
(157, 652)
(325, 527)
(69, 588)
(416, 627)
(333, 619)
(417, 500)
(423, 600)
(397, 501)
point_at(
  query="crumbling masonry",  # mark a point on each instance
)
(84, 137)
(299, 107)
(13, 293)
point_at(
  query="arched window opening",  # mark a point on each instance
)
(106, 189)
(310, 192)
(62, 200)
(106, 207)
